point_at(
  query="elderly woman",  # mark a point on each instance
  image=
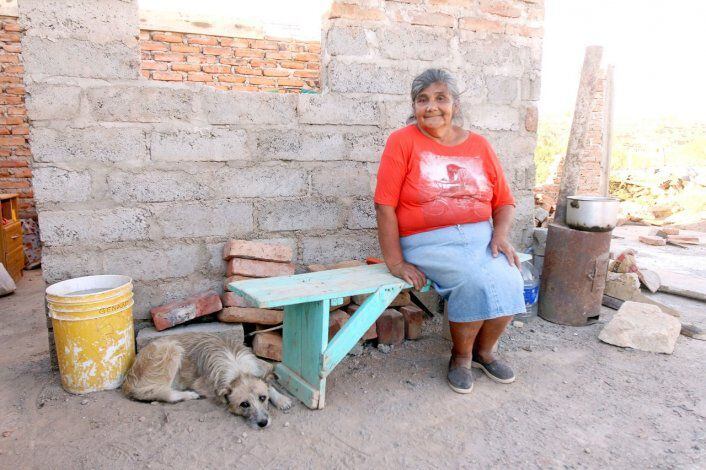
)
(444, 210)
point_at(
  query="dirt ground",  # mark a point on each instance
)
(577, 403)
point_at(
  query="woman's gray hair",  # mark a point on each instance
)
(431, 76)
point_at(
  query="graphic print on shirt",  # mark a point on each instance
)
(452, 187)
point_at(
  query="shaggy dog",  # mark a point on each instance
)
(194, 365)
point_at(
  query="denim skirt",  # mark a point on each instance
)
(459, 263)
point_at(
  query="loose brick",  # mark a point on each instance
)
(231, 299)
(402, 299)
(256, 268)
(175, 313)
(257, 251)
(259, 316)
(390, 327)
(666, 231)
(372, 331)
(413, 321)
(230, 279)
(336, 320)
(268, 345)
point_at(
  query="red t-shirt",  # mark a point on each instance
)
(431, 185)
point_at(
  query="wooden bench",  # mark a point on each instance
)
(307, 356)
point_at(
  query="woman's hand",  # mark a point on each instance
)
(409, 273)
(499, 244)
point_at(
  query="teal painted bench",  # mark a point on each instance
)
(307, 355)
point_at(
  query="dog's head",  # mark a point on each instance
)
(248, 396)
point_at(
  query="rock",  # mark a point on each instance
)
(539, 243)
(356, 350)
(518, 324)
(652, 240)
(540, 214)
(693, 331)
(384, 348)
(649, 279)
(642, 326)
(84, 402)
(622, 286)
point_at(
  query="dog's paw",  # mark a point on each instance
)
(190, 395)
(284, 403)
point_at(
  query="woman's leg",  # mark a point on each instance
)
(487, 336)
(463, 336)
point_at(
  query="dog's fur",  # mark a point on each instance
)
(194, 365)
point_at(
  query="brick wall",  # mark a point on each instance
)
(150, 178)
(15, 155)
(228, 63)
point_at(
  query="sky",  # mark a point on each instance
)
(658, 47)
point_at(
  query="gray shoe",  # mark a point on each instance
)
(496, 370)
(460, 379)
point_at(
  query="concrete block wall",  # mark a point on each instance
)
(150, 178)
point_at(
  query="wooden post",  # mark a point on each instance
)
(604, 187)
(579, 129)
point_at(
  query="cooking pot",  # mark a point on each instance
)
(592, 213)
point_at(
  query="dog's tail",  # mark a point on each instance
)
(154, 370)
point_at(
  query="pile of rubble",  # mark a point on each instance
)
(210, 311)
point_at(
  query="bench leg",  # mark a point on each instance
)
(304, 338)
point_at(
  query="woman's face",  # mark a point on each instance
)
(434, 108)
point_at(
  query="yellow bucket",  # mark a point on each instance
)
(93, 331)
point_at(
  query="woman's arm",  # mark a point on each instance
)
(502, 220)
(389, 236)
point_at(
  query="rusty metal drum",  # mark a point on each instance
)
(573, 275)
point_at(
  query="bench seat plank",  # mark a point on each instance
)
(312, 287)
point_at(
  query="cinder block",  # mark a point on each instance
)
(337, 109)
(414, 43)
(200, 145)
(413, 321)
(145, 335)
(268, 345)
(90, 144)
(247, 108)
(257, 251)
(48, 101)
(260, 316)
(372, 331)
(257, 268)
(326, 180)
(390, 327)
(157, 186)
(336, 320)
(52, 184)
(143, 101)
(344, 40)
(305, 214)
(366, 78)
(261, 181)
(150, 264)
(102, 226)
(231, 299)
(174, 313)
(301, 145)
(327, 249)
(193, 219)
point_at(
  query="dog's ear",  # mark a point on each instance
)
(224, 392)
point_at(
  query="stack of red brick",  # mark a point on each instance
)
(251, 260)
